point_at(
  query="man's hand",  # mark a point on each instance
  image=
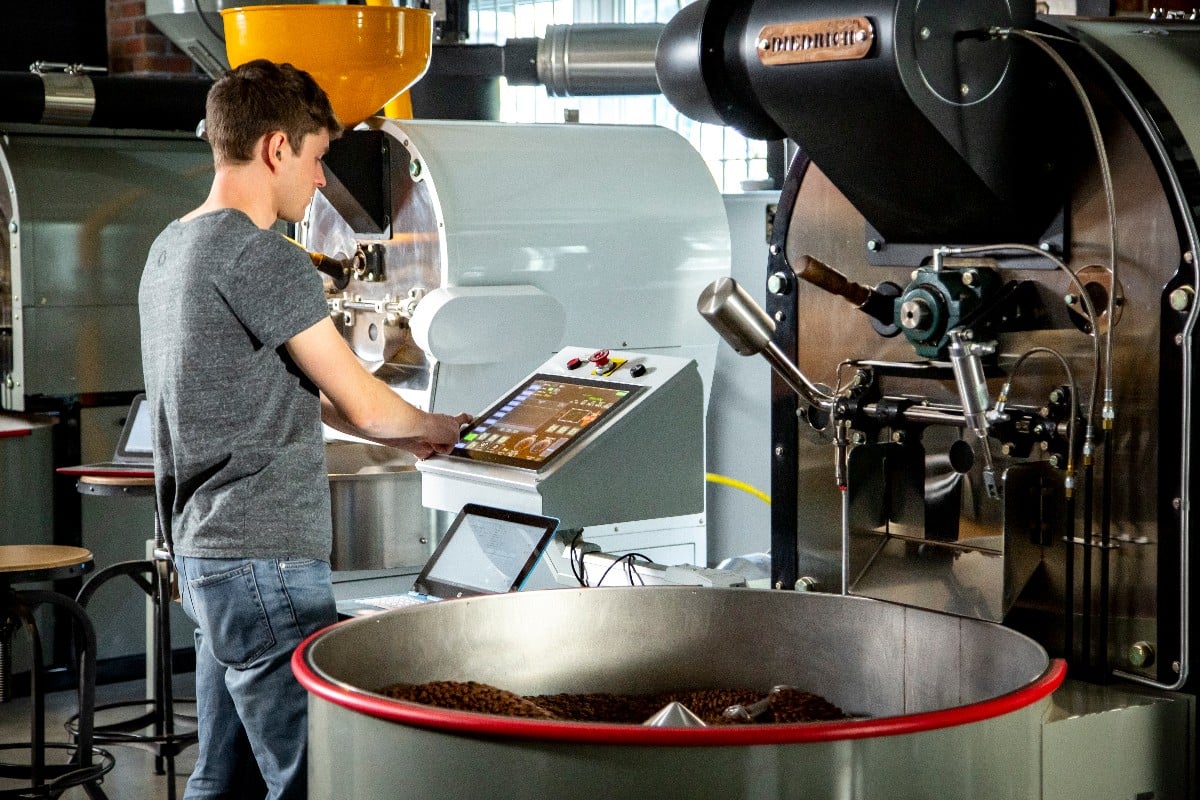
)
(440, 437)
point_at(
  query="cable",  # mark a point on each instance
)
(713, 477)
(604, 575)
(1188, 223)
(629, 558)
(1108, 413)
(630, 572)
(578, 568)
(609, 569)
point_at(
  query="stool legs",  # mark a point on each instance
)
(45, 781)
(18, 616)
(8, 626)
(153, 577)
(164, 695)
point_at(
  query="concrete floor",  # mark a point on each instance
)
(132, 777)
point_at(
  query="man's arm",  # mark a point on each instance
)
(358, 403)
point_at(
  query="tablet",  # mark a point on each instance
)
(540, 420)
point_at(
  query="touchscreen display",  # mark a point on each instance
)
(541, 420)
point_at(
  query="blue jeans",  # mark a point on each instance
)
(251, 614)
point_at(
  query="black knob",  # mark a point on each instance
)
(637, 370)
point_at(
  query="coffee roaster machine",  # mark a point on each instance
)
(979, 312)
(490, 253)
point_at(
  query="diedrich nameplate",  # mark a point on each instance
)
(820, 40)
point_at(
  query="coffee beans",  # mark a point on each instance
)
(785, 704)
(793, 705)
(470, 696)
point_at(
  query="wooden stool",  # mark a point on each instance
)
(154, 577)
(87, 764)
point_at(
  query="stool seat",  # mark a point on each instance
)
(117, 480)
(86, 764)
(115, 485)
(16, 559)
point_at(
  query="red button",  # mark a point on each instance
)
(574, 363)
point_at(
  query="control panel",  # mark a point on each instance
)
(592, 437)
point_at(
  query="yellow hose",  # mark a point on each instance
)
(713, 477)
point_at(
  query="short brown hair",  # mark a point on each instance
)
(260, 97)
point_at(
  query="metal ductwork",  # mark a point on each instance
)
(586, 60)
(570, 60)
(60, 94)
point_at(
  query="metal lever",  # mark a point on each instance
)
(973, 392)
(748, 330)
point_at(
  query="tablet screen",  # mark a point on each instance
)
(542, 419)
(486, 551)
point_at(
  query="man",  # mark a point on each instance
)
(242, 363)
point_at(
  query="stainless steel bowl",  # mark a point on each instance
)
(375, 499)
(953, 705)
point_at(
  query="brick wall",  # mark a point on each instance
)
(135, 46)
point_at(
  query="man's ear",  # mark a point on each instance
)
(273, 144)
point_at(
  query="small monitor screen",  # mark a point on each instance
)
(541, 420)
(139, 431)
(135, 442)
(486, 553)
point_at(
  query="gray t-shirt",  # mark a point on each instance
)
(239, 457)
